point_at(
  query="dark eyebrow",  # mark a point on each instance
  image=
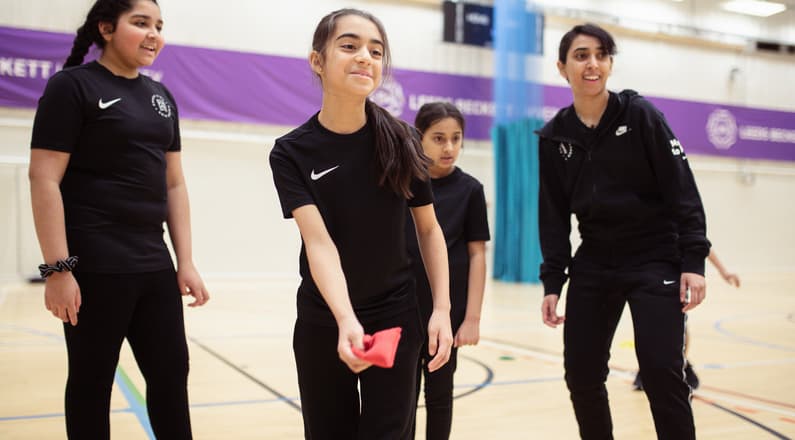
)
(579, 49)
(356, 37)
(146, 17)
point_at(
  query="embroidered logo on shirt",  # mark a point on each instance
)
(316, 176)
(668, 282)
(621, 130)
(566, 150)
(104, 105)
(161, 105)
(676, 148)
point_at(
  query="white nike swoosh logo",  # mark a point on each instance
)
(621, 130)
(668, 283)
(104, 105)
(315, 176)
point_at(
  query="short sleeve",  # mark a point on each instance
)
(292, 190)
(476, 227)
(176, 144)
(59, 115)
(422, 192)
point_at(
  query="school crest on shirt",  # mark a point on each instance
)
(161, 106)
(676, 148)
(566, 150)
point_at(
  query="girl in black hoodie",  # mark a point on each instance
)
(611, 159)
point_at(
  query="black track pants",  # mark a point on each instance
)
(146, 308)
(329, 395)
(438, 391)
(597, 294)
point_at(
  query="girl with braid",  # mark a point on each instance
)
(105, 173)
(348, 176)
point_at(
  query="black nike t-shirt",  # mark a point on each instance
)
(117, 131)
(460, 207)
(336, 172)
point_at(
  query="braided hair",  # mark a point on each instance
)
(88, 34)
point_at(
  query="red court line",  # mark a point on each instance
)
(749, 397)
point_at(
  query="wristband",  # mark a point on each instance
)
(66, 265)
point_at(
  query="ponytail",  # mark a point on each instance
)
(398, 151)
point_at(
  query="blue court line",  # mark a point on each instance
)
(719, 328)
(145, 423)
(135, 399)
(32, 331)
(513, 382)
(244, 402)
(32, 417)
(52, 415)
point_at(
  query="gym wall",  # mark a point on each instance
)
(237, 226)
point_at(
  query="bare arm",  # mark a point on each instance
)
(434, 255)
(326, 268)
(469, 332)
(730, 277)
(179, 229)
(61, 292)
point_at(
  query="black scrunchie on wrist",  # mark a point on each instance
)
(66, 265)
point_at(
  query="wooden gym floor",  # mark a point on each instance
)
(510, 386)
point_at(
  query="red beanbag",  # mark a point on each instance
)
(380, 348)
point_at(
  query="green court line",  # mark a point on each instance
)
(135, 399)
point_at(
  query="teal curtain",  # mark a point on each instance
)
(518, 38)
(517, 253)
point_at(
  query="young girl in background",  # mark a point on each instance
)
(105, 173)
(348, 176)
(460, 207)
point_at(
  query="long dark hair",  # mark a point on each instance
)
(433, 112)
(590, 29)
(88, 34)
(398, 150)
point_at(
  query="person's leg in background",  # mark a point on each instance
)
(439, 399)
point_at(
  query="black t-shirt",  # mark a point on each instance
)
(117, 131)
(336, 172)
(460, 207)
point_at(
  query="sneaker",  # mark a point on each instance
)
(690, 376)
(638, 382)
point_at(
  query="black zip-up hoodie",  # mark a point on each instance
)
(628, 182)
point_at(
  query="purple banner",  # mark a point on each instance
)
(232, 86)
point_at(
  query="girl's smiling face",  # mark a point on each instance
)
(352, 61)
(587, 66)
(136, 40)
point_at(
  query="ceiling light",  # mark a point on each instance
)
(754, 7)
